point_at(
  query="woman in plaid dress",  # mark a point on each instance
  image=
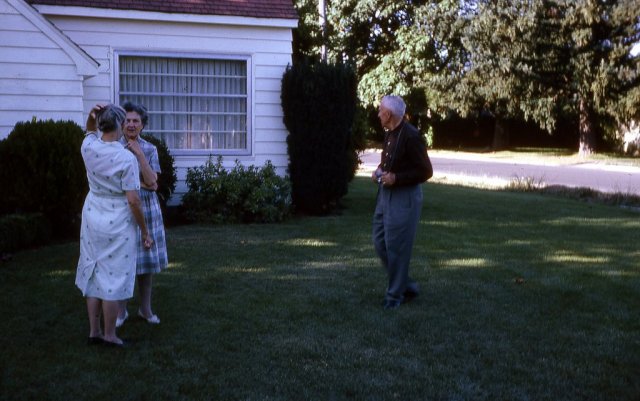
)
(153, 260)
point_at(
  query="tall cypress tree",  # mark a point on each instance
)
(319, 103)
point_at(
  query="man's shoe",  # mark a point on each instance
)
(390, 305)
(410, 296)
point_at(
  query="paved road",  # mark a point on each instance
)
(596, 176)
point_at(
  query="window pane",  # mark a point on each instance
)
(192, 103)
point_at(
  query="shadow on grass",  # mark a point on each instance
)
(292, 311)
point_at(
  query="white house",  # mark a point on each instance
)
(209, 72)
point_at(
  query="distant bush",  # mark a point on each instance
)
(525, 184)
(19, 231)
(241, 195)
(41, 171)
(621, 199)
(167, 178)
(319, 103)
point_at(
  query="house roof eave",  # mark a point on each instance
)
(85, 12)
(86, 66)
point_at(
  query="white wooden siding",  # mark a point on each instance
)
(38, 78)
(269, 49)
(106, 31)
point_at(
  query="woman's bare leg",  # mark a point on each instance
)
(110, 313)
(94, 309)
(144, 287)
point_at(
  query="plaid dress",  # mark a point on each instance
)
(155, 259)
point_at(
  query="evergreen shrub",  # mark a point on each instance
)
(241, 195)
(319, 103)
(41, 171)
(19, 231)
(167, 178)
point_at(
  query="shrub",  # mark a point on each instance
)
(319, 103)
(525, 184)
(167, 178)
(19, 231)
(244, 194)
(41, 171)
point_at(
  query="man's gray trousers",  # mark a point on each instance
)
(395, 222)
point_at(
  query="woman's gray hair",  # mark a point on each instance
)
(137, 108)
(395, 105)
(110, 118)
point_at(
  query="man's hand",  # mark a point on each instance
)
(376, 175)
(388, 179)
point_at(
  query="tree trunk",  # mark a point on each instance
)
(500, 136)
(587, 131)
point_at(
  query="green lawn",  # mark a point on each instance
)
(292, 311)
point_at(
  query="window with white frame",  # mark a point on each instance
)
(194, 103)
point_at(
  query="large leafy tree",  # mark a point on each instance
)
(546, 60)
(541, 60)
(393, 46)
(380, 39)
(600, 72)
(491, 43)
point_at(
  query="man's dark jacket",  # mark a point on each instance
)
(410, 162)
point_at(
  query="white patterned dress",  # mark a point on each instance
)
(107, 263)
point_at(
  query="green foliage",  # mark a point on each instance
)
(546, 61)
(319, 104)
(41, 171)
(307, 38)
(167, 178)
(241, 195)
(19, 231)
(393, 46)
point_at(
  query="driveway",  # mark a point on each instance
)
(604, 178)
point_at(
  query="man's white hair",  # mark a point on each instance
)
(394, 104)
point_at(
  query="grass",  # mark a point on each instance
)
(525, 297)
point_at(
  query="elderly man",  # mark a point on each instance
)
(403, 167)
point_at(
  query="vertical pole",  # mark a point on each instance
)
(323, 29)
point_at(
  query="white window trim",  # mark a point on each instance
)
(117, 52)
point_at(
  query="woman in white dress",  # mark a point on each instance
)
(107, 264)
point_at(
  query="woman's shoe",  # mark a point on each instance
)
(110, 344)
(153, 319)
(95, 341)
(120, 322)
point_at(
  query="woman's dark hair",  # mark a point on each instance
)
(137, 108)
(110, 118)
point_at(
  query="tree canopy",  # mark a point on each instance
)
(537, 60)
